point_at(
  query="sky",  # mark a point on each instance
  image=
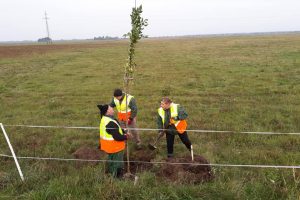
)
(83, 19)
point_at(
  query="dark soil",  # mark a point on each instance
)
(186, 173)
(88, 153)
(144, 157)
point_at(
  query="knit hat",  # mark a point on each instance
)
(103, 109)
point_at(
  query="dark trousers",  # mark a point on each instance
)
(116, 168)
(170, 142)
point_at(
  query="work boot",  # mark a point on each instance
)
(170, 155)
(120, 173)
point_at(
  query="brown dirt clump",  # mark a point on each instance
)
(87, 153)
(143, 157)
(186, 173)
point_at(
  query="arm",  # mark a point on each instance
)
(113, 129)
(132, 105)
(159, 123)
(181, 113)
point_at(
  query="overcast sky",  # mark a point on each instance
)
(82, 19)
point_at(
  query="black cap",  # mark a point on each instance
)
(103, 109)
(118, 92)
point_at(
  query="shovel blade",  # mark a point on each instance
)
(152, 147)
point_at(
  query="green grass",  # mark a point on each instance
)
(248, 83)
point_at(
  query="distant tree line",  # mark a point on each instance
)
(46, 39)
(106, 38)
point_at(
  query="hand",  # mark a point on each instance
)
(129, 122)
(161, 133)
(172, 120)
(129, 135)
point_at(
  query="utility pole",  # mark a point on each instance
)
(47, 28)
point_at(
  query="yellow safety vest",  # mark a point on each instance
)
(107, 142)
(122, 115)
(180, 125)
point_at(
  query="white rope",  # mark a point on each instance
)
(168, 163)
(64, 127)
(153, 129)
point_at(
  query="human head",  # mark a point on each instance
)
(110, 111)
(105, 109)
(165, 103)
(118, 94)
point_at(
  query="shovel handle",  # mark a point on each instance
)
(158, 137)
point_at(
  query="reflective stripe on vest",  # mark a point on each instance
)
(122, 107)
(180, 125)
(122, 115)
(108, 144)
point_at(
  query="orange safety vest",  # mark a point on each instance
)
(123, 114)
(181, 125)
(107, 142)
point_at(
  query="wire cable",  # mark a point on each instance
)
(161, 163)
(153, 129)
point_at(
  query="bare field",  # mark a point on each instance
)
(13, 51)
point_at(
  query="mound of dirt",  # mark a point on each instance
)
(178, 170)
(87, 153)
(186, 173)
(143, 157)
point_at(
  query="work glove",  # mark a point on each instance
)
(175, 118)
(129, 122)
(161, 133)
(128, 136)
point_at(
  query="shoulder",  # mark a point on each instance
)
(130, 96)
(112, 123)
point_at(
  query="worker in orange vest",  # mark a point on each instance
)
(112, 140)
(172, 121)
(126, 113)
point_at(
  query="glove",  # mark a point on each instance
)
(161, 133)
(128, 136)
(129, 121)
(173, 119)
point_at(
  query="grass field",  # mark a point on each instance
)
(240, 83)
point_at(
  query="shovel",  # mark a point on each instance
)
(153, 146)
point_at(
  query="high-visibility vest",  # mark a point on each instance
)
(122, 116)
(107, 142)
(180, 125)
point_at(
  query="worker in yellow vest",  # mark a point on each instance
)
(126, 115)
(112, 140)
(172, 121)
